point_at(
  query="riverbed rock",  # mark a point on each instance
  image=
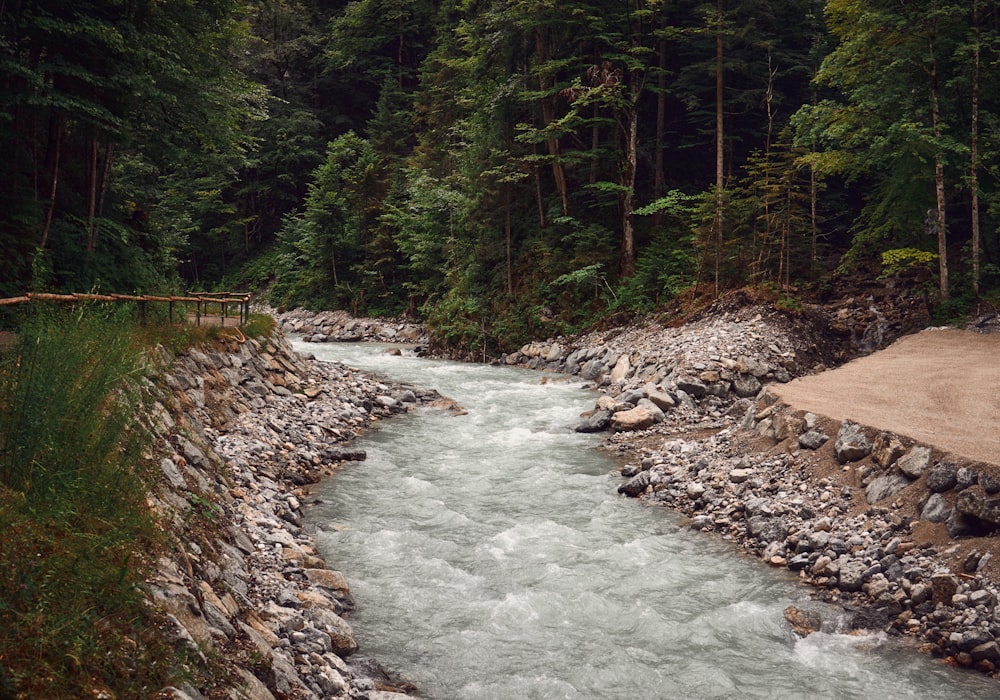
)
(632, 419)
(803, 622)
(596, 422)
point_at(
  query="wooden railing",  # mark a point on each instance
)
(203, 303)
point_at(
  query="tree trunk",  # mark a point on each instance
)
(92, 196)
(939, 191)
(974, 152)
(507, 241)
(627, 259)
(719, 143)
(55, 145)
(661, 121)
(105, 178)
(549, 116)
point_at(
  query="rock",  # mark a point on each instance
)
(852, 575)
(803, 622)
(887, 449)
(915, 462)
(852, 444)
(596, 422)
(936, 509)
(885, 487)
(942, 477)
(812, 440)
(695, 490)
(738, 476)
(943, 587)
(635, 486)
(621, 370)
(654, 410)
(662, 399)
(692, 387)
(746, 386)
(976, 502)
(633, 419)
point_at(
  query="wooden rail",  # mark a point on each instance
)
(201, 300)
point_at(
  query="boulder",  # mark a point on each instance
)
(976, 502)
(692, 387)
(852, 575)
(915, 462)
(936, 509)
(746, 386)
(812, 440)
(632, 419)
(621, 370)
(885, 487)
(635, 486)
(852, 444)
(661, 398)
(887, 449)
(595, 422)
(942, 477)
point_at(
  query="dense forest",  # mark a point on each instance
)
(500, 168)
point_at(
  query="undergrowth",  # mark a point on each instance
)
(74, 474)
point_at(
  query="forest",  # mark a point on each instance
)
(502, 169)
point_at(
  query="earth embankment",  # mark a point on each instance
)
(940, 387)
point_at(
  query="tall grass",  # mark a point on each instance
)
(73, 519)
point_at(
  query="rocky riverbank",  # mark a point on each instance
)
(244, 428)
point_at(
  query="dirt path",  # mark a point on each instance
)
(939, 387)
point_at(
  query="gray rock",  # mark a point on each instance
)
(662, 399)
(746, 386)
(942, 477)
(767, 529)
(852, 575)
(915, 462)
(636, 485)
(654, 410)
(595, 422)
(990, 483)
(936, 509)
(692, 387)
(965, 477)
(852, 444)
(812, 440)
(172, 473)
(885, 487)
(976, 502)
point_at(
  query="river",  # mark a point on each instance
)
(491, 558)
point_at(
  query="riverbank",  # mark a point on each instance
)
(244, 428)
(899, 532)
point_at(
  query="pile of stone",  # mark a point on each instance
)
(342, 327)
(245, 429)
(731, 354)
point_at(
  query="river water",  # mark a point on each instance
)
(491, 558)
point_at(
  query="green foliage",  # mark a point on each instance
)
(73, 482)
(900, 261)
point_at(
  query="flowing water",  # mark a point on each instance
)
(491, 557)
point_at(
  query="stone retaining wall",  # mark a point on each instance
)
(244, 428)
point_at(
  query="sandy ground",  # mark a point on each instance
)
(938, 387)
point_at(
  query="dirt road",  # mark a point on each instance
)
(938, 387)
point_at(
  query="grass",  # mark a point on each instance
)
(75, 469)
